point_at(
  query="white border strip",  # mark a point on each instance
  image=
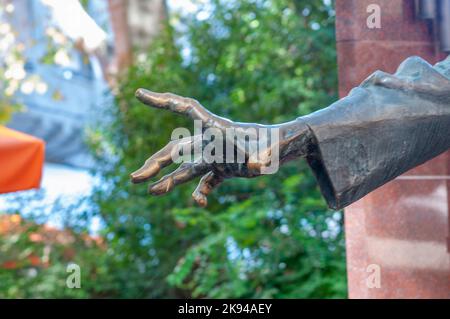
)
(424, 177)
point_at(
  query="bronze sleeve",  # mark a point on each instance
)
(383, 128)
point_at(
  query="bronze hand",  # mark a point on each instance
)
(294, 138)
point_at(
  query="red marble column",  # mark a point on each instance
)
(402, 228)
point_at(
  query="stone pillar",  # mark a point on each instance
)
(402, 228)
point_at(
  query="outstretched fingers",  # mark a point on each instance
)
(158, 161)
(205, 187)
(182, 174)
(181, 105)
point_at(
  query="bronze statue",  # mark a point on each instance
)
(384, 127)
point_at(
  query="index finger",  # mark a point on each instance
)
(180, 105)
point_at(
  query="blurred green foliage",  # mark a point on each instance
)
(271, 237)
(34, 260)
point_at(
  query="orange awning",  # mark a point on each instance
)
(21, 160)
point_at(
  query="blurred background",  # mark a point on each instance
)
(68, 72)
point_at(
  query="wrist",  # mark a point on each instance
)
(295, 139)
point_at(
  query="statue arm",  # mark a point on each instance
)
(384, 127)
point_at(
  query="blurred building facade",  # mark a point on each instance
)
(101, 36)
(75, 88)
